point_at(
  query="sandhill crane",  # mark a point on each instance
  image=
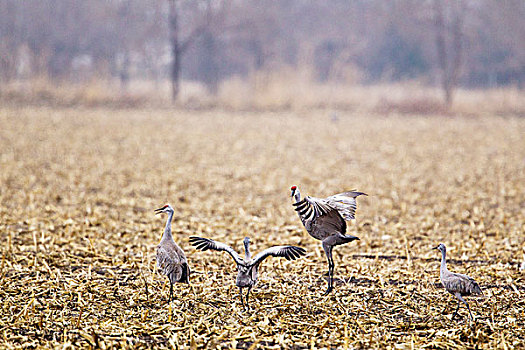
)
(456, 284)
(324, 219)
(248, 268)
(171, 260)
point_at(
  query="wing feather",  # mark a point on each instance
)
(206, 243)
(314, 208)
(317, 212)
(345, 203)
(289, 252)
(331, 222)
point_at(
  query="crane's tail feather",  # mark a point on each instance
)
(349, 238)
(185, 277)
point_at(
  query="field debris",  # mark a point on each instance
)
(78, 232)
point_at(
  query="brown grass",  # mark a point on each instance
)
(419, 106)
(96, 93)
(282, 90)
(78, 189)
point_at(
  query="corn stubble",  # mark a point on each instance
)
(78, 232)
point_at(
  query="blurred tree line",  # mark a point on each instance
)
(472, 43)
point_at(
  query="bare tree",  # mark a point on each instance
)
(8, 40)
(449, 37)
(176, 50)
(205, 13)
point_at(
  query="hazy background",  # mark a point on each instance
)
(265, 54)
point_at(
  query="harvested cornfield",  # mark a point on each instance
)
(78, 189)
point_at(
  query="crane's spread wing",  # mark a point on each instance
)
(311, 208)
(206, 243)
(316, 211)
(289, 252)
(330, 222)
(345, 203)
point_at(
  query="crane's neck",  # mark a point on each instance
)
(297, 196)
(443, 262)
(167, 229)
(247, 253)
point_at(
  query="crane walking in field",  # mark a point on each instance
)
(248, 268)
(171, 260)
(456, 284)
(324, 219)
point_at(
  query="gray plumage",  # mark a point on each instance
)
(324, 219)
(248, 268)
(456, 284)
(171, 259)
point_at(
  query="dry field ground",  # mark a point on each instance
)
(78, 233)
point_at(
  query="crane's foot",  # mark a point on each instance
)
(328, 291)
(245, 307)
(470, 313)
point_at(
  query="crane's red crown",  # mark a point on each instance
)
(165, 206)
(294, 188)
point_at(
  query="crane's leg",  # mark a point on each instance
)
(171, 292)
(247, 296)
(240, 293)
(459, 304)
(328, 251)
(468, 307)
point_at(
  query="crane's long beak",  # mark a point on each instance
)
(158, 211)
(435, 248)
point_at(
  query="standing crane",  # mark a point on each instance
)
(457, 284)
(324, 219)
(248, 268)
(171, 259)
